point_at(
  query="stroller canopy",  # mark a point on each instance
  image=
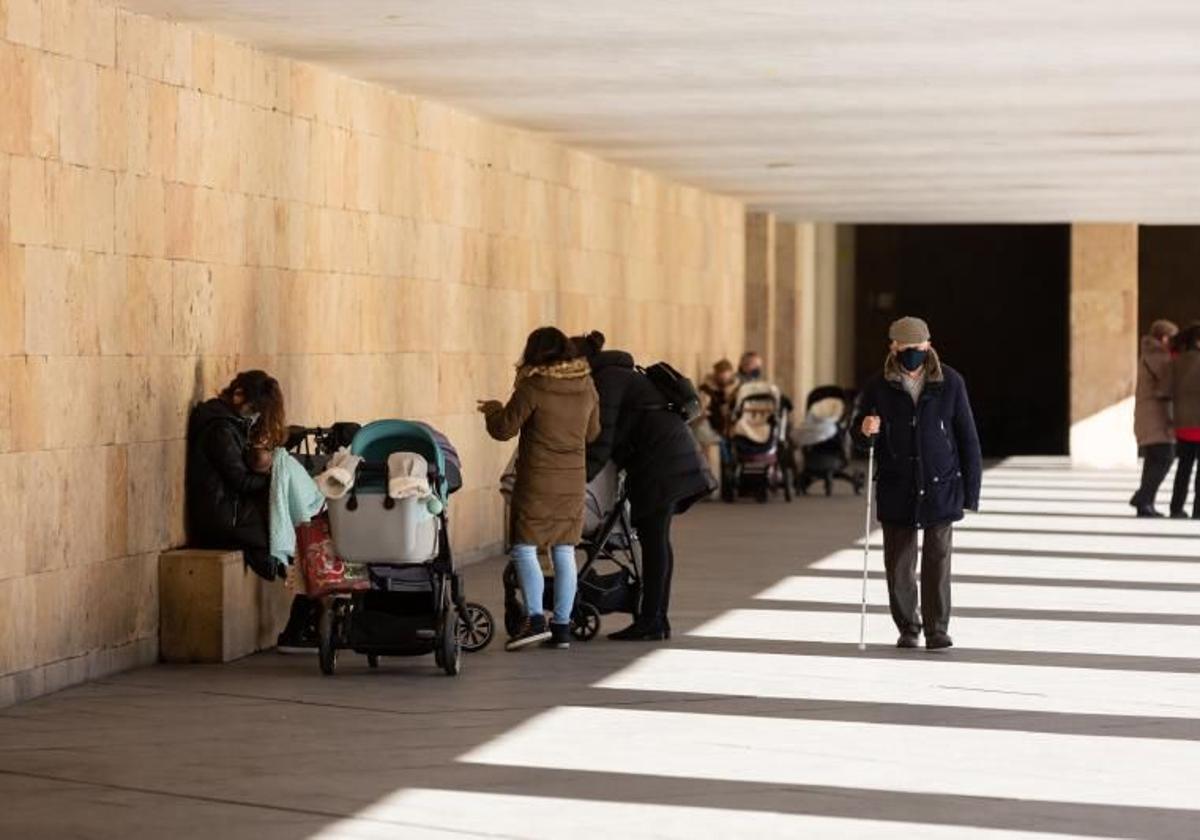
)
(375, 441)
(757, 392)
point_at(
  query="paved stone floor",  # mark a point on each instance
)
(1069, 707)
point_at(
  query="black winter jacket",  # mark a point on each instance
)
(927, 456)
(662, 462)
(224, 496)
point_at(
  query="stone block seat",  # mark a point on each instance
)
(212, 608)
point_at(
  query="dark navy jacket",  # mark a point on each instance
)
(927, 456)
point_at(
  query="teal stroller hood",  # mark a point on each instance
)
(377, 440)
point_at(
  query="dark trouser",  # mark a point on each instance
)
(1188, 453)
(1157, 460)
(658, 565)
(900, 560)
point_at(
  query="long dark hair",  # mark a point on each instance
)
(262, 391)
(588, 345)
(547, 346)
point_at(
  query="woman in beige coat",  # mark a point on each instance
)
(555, 410)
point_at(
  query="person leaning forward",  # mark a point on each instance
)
(930, 469)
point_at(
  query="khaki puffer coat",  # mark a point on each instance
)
(555, 410)
(1152, 401)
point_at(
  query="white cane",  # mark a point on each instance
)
(862, 620)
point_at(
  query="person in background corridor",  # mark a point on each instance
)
(750, 367)
(930, 469)
(556, 411)
(1152, 415)
(717, 393)
(1185, 391)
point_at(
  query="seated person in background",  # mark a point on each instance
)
(227, 477)
(717, 393)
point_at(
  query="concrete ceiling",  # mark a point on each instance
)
(847, 110)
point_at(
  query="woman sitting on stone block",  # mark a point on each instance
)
(228, 477)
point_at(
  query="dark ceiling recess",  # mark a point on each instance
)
(1168, 274)
(996, 298)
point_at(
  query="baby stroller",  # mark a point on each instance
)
(760, 459)
(610, 577)
(824, 439)
(393, 521)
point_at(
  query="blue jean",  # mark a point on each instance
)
(533, 586)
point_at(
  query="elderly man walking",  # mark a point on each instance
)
(930, 469)
(1152, 415)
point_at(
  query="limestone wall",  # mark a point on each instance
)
(175, 206)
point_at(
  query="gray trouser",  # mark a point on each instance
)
(900, 560)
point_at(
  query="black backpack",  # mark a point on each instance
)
(678, 391)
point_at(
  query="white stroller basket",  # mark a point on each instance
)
(369, 526)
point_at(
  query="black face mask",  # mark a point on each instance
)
(912, 358)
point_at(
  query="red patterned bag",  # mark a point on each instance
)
(323, 571)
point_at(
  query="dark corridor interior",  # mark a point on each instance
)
(1168, 274)
(996, 299)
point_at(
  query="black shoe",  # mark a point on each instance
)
(641, 632)
(1178, 514)
(938, 641)
(533, 630)
(560, 637)
(908, 640)
(302, 641)
(1148, 513)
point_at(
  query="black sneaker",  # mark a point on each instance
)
(533, 630)
(560, 637)
(907, 640)
(938, 641)
(1178, 514)
(1148, 513)
(302, 641)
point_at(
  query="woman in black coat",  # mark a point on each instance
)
(226, 491)
(665, 472)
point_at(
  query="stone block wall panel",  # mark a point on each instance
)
(176, 206)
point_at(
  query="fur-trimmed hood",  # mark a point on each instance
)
(573, 369)
(934, 374)
(562, 377)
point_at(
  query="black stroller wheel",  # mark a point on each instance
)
(326, 643)
(476, 627)
(585, 623)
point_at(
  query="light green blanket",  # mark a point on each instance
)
(294, 499)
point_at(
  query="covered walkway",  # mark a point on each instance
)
(1069, 707)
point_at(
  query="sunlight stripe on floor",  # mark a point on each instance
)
(1107, 525)
(426, 813)
(951, 761)
(1052, 495)
(916, 681)
(1014, 596)
(1005, 634)
(1061, 507)
(1050, 568)
(1053, 543)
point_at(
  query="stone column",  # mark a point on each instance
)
(1104, 296)
(760, 287)
(825, 305)
(806, 304)
(788, 341)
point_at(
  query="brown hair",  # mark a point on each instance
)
(261, 391)
(547, 346)
(723, 366)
